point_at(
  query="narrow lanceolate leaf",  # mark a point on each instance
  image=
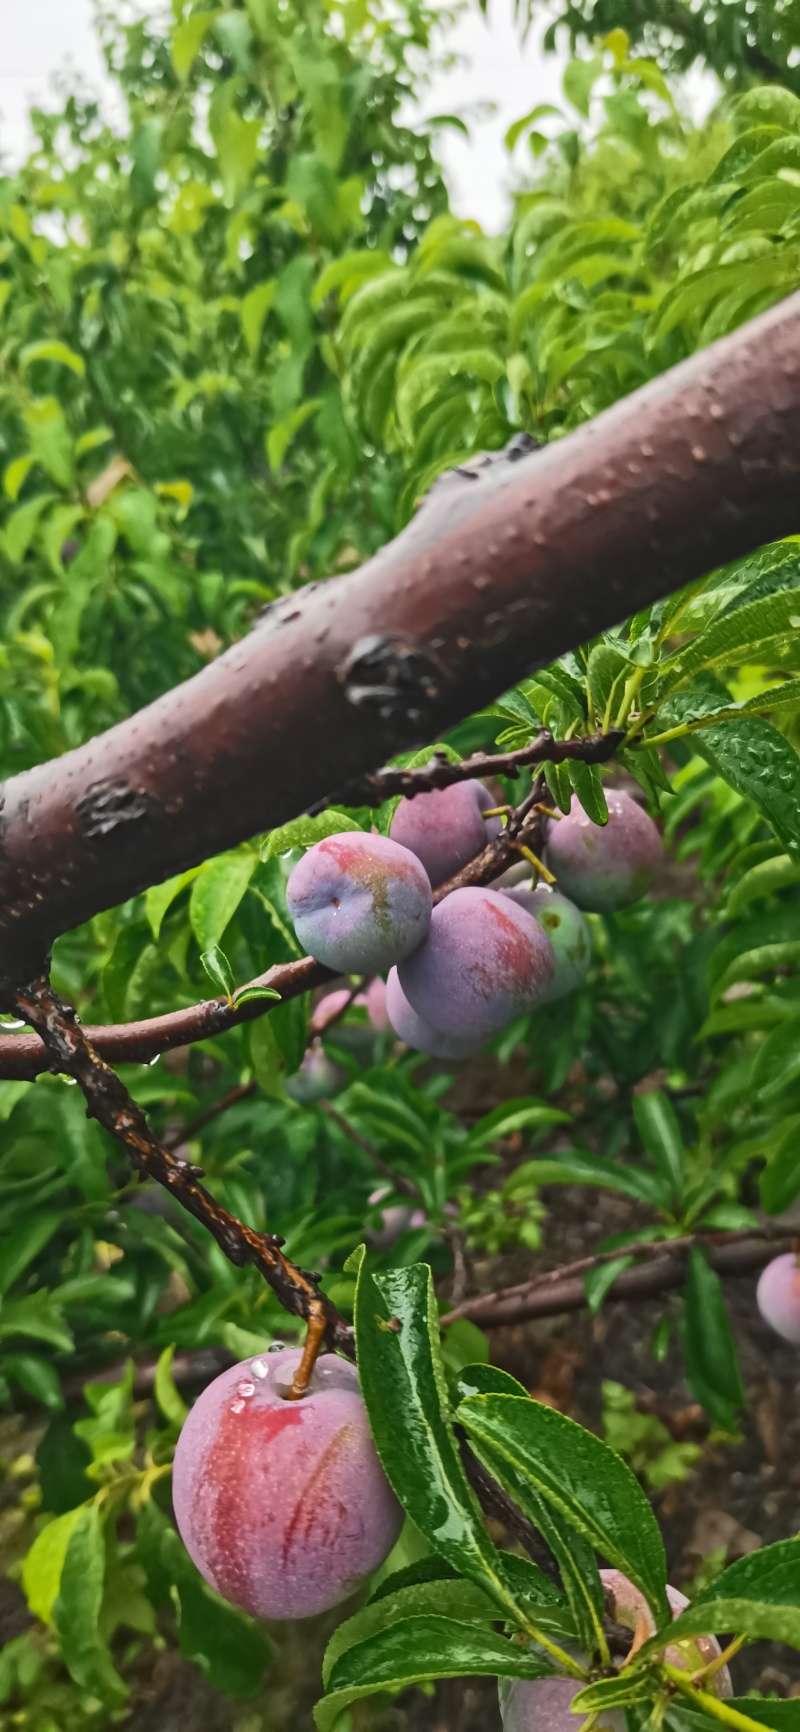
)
(77, 1611)
(712, 1368)
(403, 1384)
(757, 1597)
(421, 1651)
(777, 1061)
(585, 779)
(304, 832)
(660, 1132)
(780, 1180)
(41, 1571)
(764, 942)
(759, 762)
(770, 619)
(216, 894)
(444, 1597)
(587, 1483)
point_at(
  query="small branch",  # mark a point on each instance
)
(398, 1180)
(110, 1104)
(185, 1133)
(440, 773)
(560, 1290)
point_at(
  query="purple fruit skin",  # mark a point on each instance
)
(418, 1033)
(778, 1296)
(484, 961)
(359, 903)
(446, 828)
(375, 1001)
(567, 931)
(604, 868)
(283, 1505)
(543, 1705)
(317, 1077)
(692, 1652)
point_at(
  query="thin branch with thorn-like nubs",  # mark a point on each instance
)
(439, 772)
(109, 1102)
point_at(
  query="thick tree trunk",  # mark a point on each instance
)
(505, 567)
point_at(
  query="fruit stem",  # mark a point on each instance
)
(711, 1704)
(315, 1334)
(544, 871)
(710, 1670)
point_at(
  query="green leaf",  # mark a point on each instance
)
(661, 1134)
(771, 619)
(759, 762)
(756, 1596)
(37, 1376)
(712, 1368)
(49, 350)
(216, 893)
(280, 437)
(421, 1650)
(588, 1485)
(304, 832)
(188, 40)
(579, 80)
(764, 942)
(588, 786)
(403, 1385)
(161, 896)
(780, 1180)
(77, 1610)
(41, 1571)
(433, 1593)
(247, 994)
(763, 880)
(219, 971)
(37, 1317)
(254, 310)
(606, 673)
(145, 150)
(169, 1401)
(21, 527)
(31, 1234)
(229, 1648)
(777, 1062)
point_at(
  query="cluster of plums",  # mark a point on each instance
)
(285, 1509)
(460, 971)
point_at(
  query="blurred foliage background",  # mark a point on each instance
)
(238, 343)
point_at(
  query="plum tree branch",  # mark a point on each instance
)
(508, 564)
(439, 772)
(662, 1267)
(111, 1105)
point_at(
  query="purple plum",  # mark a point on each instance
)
(485, 960)
(607, 867)
(628, 1606)
(359, 903)
(283, 1505)
(419, 1033)
(567, 931)
(778, 1296)
(317, 1076)
(545, 1705)
(446, 828)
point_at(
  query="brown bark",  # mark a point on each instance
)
(505, 567)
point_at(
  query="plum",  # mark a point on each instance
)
(545, 1705)
(484, 961)
(419, 1033)
(778, 1296)
(627, 1605)
(567, 931)
(446, 828)
(375, 1000)
(607, 867)
(359, 903)
(317, 1077)
(283, 1505)
(396, 1218)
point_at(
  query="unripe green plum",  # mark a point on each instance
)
(604, 867)
(778, 1296)
(628, 1604)
(484, 961)
(567, 931)
(283, 1505)
(446, 827)
(418, 1033)
(359, 903)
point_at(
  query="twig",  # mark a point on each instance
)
(109, 1102)
(439, 772)
(562, 1290)
(398, 1180)
(185, 1133)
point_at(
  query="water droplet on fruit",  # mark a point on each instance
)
(237, 1407)
(259, 1368)
(276, 1347)
(245, 1389)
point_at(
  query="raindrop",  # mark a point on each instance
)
(245, 1389)
(259, 1368)
(237, 1407)
(276, 1347)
